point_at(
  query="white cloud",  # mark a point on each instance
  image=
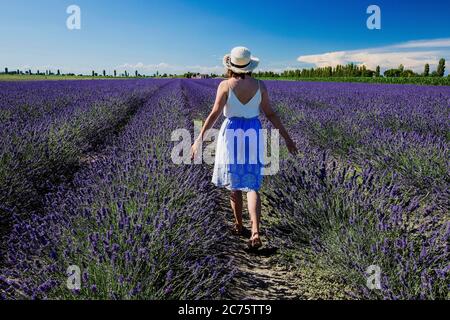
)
(413, 55)
(434, 43)
(141, 66)
(164, 67)
(277, 68)
(205, 69)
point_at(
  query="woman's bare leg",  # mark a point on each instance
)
(254, 209)
(236, 205)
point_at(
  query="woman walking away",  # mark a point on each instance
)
(238, 158)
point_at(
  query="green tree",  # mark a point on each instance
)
(93, 73)
(377, 71)
(104, 73)
(392, 73)
(441, 68)
(58, 72)
(115, 73)
(408, 73)
(426, 71)
(6, 70)
(401, 68)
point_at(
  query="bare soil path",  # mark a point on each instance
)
(258, 275)
(262, 276)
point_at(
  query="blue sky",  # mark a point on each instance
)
(177, 36)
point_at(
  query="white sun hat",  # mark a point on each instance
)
(240, 60)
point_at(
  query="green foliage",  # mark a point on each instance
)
(351, 71)
(441, 68)
(377, 72)
(436, 81)
(426, 71)
(395, 73)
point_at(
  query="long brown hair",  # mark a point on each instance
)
(231, 74)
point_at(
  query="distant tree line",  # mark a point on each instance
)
(124, 74)
(59, 73)
(352, 70)
(349, 70)
(190, 75)
(401, 72)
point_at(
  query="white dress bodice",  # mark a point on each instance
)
(234, 108)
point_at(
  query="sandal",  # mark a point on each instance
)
(254, 243)
(237, 230)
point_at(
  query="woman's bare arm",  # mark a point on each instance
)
(275, 120)
(219, 104)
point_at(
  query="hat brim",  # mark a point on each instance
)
(252, 65)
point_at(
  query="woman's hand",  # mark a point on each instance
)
(194, 149)
(291, 147)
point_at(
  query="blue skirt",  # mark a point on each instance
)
(238, 162)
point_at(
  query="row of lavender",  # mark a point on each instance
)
(370, 186)
(47, 128)
(137, 225)
(341, 199)
(403, 129)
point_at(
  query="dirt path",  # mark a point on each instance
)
(258, 277)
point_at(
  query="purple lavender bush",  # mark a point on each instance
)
(137, 225)
(353, 219)
(48, 127)
(369, 187)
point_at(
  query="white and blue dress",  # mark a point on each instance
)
(238, 162)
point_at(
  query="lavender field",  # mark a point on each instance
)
(86, 179)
